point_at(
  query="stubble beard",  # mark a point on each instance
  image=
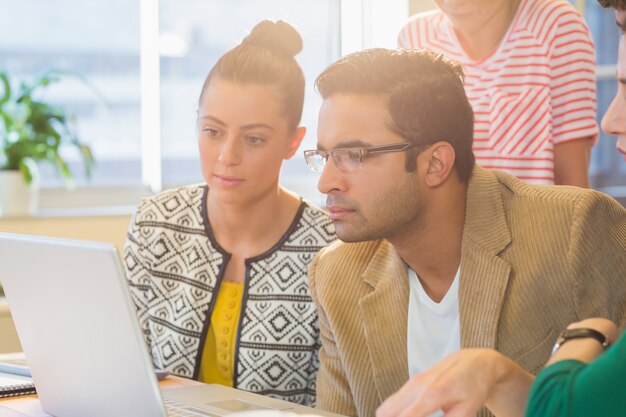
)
(391, 219)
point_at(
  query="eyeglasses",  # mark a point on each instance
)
(350, 159)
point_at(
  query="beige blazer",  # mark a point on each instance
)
(533, 260)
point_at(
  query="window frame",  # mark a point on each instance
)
(358, 29)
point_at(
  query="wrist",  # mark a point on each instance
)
(604, 326)
(510, 388)
(577, 333)
(504, 370)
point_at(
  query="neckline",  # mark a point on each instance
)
(505, 39)
(209, 232)
(449, 300)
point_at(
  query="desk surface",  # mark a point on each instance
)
(29, 406)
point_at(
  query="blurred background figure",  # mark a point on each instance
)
(530, 76)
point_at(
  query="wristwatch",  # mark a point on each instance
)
(580, 333)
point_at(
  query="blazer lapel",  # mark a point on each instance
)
(484, 274)
(384, 312)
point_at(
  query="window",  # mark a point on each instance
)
(102, 42)
(106, 42)
(194, 34)
(99, 41)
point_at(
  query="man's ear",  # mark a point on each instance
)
(295, 141)
(440, 159)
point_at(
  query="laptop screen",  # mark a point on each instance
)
(78, 328)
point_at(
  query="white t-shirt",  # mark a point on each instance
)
(537, 90)
(434, 329)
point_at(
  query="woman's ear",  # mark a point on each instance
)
(440, 162)
(295, 141)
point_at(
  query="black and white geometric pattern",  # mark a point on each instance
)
(174, 265)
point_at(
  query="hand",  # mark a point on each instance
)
(460, 384)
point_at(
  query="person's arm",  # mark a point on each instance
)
(571, 162)
(576, 384)
(332, 388)
(586, 349)
(462, 382)
(596, 258)
(460, 385)
(572, 87)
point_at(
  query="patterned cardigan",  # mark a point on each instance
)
(175, 267)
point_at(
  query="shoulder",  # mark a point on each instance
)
(312, 228)
(171, 203)
(566, 200)
(343, 272)
(548, 18)
(411, 33)
(548, 10)
(572, 221)
(316, 217)
(346, 259)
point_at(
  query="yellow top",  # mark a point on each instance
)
(218, 355)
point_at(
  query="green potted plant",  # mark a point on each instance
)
(32, 131)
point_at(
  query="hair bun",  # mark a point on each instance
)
(279, 37)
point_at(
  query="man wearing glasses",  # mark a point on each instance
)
(439, 254)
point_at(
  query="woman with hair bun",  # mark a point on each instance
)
(217, 271)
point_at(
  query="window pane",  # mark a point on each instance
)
(97, 40)
(195, 33)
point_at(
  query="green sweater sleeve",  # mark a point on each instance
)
(575, 389)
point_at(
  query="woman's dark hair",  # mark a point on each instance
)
(266, 57)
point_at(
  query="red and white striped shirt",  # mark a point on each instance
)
(535, 91)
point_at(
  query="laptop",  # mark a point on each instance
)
(77, 324)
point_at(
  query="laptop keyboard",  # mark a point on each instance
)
(176, 409)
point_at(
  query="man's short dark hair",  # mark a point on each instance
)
(615, 4)
(427, 101)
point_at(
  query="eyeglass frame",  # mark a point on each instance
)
(363, 151)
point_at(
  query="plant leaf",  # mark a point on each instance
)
(34, 130)
(6, 87)
(64, 170)
(29, 169)
(88, 159)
